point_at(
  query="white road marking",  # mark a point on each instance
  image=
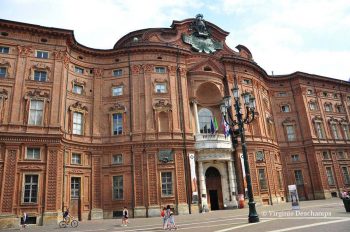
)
(310, 225)
(241, 226)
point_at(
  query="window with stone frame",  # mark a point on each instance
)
(324, 94)
(76, 158)
(328, 107)
(75, 188)
(40, 76)
(341, 155)
(4, 50)
(285, 108)
(247, 81)
(259, 156)
(118, 188)
(330, 176)
(326, 155)
(299, 179)
(117, 159)
(346, 131)
(36, 111)
(290, 130)
(262, 179)
(295, 158)
(334, 129)
(42, 54)
(77, 89)
(339, 108)
(319, 129)
(204, 117)
(33, 153)
(160, 88)
(167, 184)
(78, 70)
(313, 106)
(309, 92)
(30, 188)
(78, 123)
(117, 72)
(117, 123)
(160, 69)
(346, 176)
(117, 91)
(3, 72)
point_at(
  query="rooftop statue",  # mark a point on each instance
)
(200, 39)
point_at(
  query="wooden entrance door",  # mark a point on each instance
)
(214, 192)
(75, 203)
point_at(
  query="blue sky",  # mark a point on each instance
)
(284, 36)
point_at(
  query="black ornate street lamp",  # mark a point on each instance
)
(249, 104)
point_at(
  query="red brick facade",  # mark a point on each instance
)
(86, 129)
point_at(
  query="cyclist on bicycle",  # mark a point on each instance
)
(66, 215)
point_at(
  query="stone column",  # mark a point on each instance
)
(202, 186)
(196, 116)
(232, 180)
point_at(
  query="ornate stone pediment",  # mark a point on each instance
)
(117, 107)
(288, 121)
(78, 106)
(3, 93)
(37, 93)
(162, 105)
(317, 118)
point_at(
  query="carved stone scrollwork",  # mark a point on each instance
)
(317, 118)
(24, 51)
(136, 69)
(288, 121)
(147, 68)
(63, 56)
(117, 108)
(78, 106)
(98, 72)
(162, 105)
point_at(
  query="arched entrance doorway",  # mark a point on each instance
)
(214, 191)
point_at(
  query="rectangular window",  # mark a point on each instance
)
(160, 69)
(77, 123)
(260, 156)
(282, 94)
(325, 155)
(295, 158)
(42, 54)
(290, 133)
(30, 188)
(36, 112)
(285, 108)
(117, 91)
(78, 70)
(118, 191)
(346, 131)
(3, 71)
(247, 81)
(76, 158)
(334, 131)
(161, 88)
(75, 188)
(78, 89)
(346, 176)
(117, 124)
(262, 179)
(330, 177)
(4, 50)
(167, 183)
(33, 153)
(299, 180)
(117, 73)
(312, 106)
(40, 75)
(117, 159)
(319, 130)
(328, 108)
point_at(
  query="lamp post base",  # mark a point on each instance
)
(253, 216)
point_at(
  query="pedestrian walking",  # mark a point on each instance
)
(164, 219)
(24, 220)
(125, 217)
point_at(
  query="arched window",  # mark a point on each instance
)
(204, 117)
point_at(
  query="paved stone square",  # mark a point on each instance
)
(320, 215)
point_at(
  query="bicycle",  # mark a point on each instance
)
(71, 220)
